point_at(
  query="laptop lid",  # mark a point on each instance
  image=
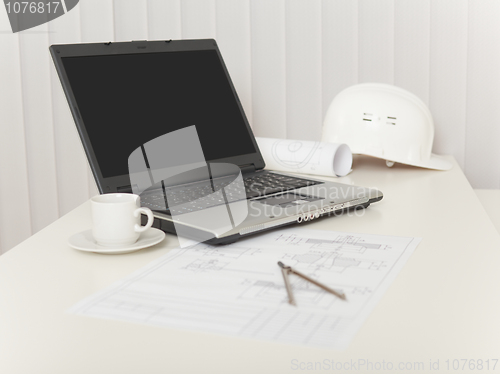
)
(125, 94)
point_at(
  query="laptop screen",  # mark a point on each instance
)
(126, 100)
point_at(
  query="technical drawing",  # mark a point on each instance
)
(305, 156)
(231, 252)
(206, 265)
(345, 243)
(338, 254)
(293, 154)
(238, 289)
(331, 261)
(361, 291)
(308, 294)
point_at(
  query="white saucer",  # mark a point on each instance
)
(83, 241)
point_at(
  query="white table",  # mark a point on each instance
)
(444, 305)
(491, 203)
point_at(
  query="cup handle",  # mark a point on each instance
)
(147, 212)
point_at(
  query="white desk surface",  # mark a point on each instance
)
(491, 203)
(444, 305)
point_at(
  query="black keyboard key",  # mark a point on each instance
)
(269, 191)
(251, 194)
(297, 184)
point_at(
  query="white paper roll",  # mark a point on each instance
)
(308, 157)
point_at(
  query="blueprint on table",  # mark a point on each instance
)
(238, 289)
(307, 157)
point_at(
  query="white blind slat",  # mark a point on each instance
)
(15, 221)
(96, 21)
(376, 41)
(164, 19)
(340, 48)
(267, 23)
(411, 46)
(303, 70)
(233, 39)
(198, 19)
(130, 20)
(483, 95)
(40, 147)
(448, 76)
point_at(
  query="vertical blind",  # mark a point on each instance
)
(287, 58)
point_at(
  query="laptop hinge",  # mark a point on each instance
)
(248, 168)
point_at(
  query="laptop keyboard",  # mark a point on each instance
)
(202, 196)
(267, 184)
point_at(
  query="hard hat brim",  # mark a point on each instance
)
(435, 162)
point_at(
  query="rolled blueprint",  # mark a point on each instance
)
(307, 157)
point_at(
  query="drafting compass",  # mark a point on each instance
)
(286, 270)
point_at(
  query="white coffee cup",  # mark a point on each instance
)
(116, 219)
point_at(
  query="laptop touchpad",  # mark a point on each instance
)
(287, 199)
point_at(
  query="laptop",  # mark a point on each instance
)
(125, 95)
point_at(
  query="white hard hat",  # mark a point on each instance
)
(383, 121)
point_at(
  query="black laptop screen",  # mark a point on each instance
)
(126, 100)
